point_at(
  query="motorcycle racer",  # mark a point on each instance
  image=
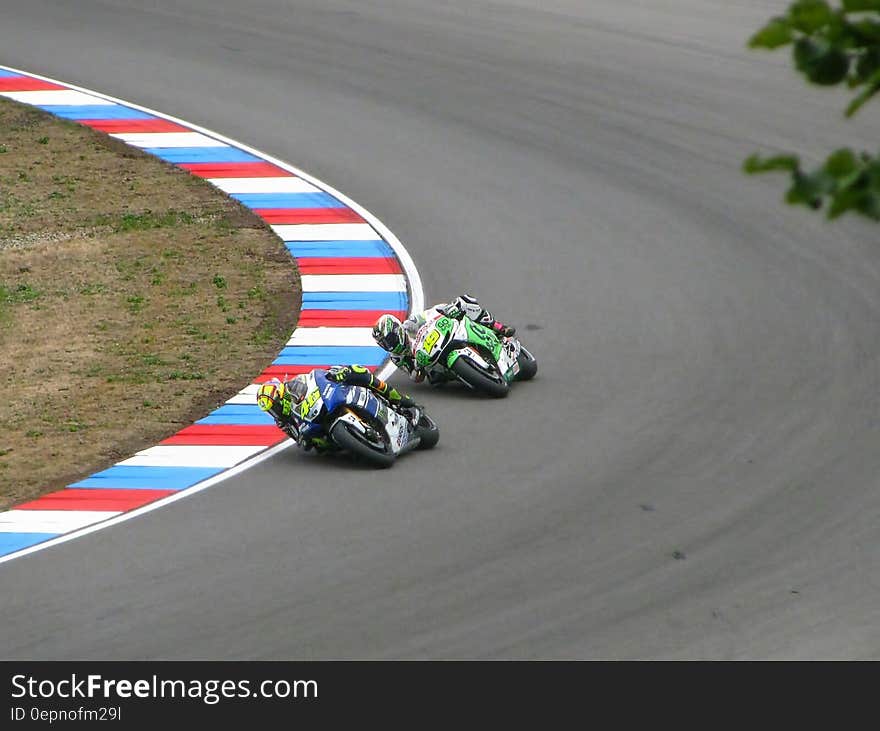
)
(281, 400)
(398, 338)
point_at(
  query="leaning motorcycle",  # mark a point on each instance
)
(363, 423)
(473, 354)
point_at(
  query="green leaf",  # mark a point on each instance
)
(857, 196)
(807, 52)
(796, 197)
(860, 100)
(757, 164)
(840, 164)
(810, 189)
(865, 31)
(820, 62)
(842, 34)
(773, 35)
(867, 65)
(832, 69)
(857, 6)
(868, 205)
(841, 203)
(809, 16)
(839, 206)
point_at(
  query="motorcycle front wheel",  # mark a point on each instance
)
(491, 384)
(349, 440)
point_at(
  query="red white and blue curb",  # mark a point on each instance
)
(352, 270)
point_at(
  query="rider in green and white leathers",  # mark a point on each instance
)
(398, 338)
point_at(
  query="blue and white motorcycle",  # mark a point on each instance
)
(363, 423)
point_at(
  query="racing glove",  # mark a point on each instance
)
(338, 374)
(453, 311)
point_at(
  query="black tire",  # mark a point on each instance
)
(351, 442)
(429, 432)
(528, 366)
(479, 380)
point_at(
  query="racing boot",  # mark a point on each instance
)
(500, 328)
(496, 326)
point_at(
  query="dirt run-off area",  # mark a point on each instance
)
(134, 299)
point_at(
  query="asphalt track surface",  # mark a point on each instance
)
(694, 472)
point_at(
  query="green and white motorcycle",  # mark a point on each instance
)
(469, 352)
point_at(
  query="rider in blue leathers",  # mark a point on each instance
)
(281, 400)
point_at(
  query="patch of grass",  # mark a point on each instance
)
(145, 221)
(186, 290)
(263, 335)
(18, 293)
(178, 375)
(134, 337)
(68, 182)
(135, 303)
